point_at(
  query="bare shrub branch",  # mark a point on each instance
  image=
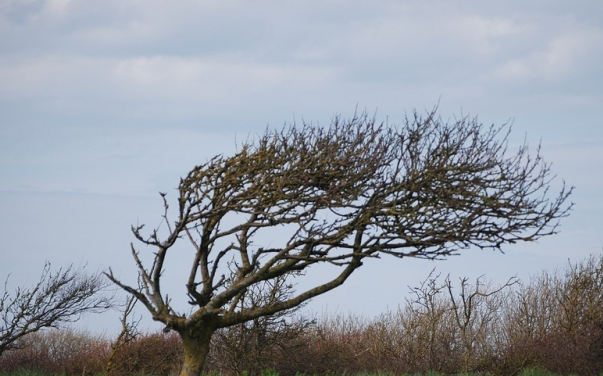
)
(129, 332)
(57, 298)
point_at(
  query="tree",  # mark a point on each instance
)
(304, 196)
(57, 298)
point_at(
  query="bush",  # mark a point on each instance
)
(149, 354)
(66, 351)
(554, 323)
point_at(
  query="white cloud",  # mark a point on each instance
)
(573, 54)
(133, 54)
(565, 57)
(486, 37)
(57, 6)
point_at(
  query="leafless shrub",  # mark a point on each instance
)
(150, 354)
(58, 351)
(580, 296)
(258, 345)
(129, 332)
(476, 311)
(335, 344)
(556, 321)
(264, 342)
(383, 339)
(428, 326)
(57, 298)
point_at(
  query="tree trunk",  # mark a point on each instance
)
(196, 348)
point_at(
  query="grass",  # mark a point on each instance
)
(22, 373)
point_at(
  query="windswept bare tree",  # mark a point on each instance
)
(57, 298)
(308, 195)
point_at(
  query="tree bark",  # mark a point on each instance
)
(196, 348)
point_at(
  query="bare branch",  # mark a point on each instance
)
(57, 298)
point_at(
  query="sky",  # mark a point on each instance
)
(103, 104)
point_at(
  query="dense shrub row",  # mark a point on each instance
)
(270, 372)
(554, 322)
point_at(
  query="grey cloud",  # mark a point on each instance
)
(232, 66)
